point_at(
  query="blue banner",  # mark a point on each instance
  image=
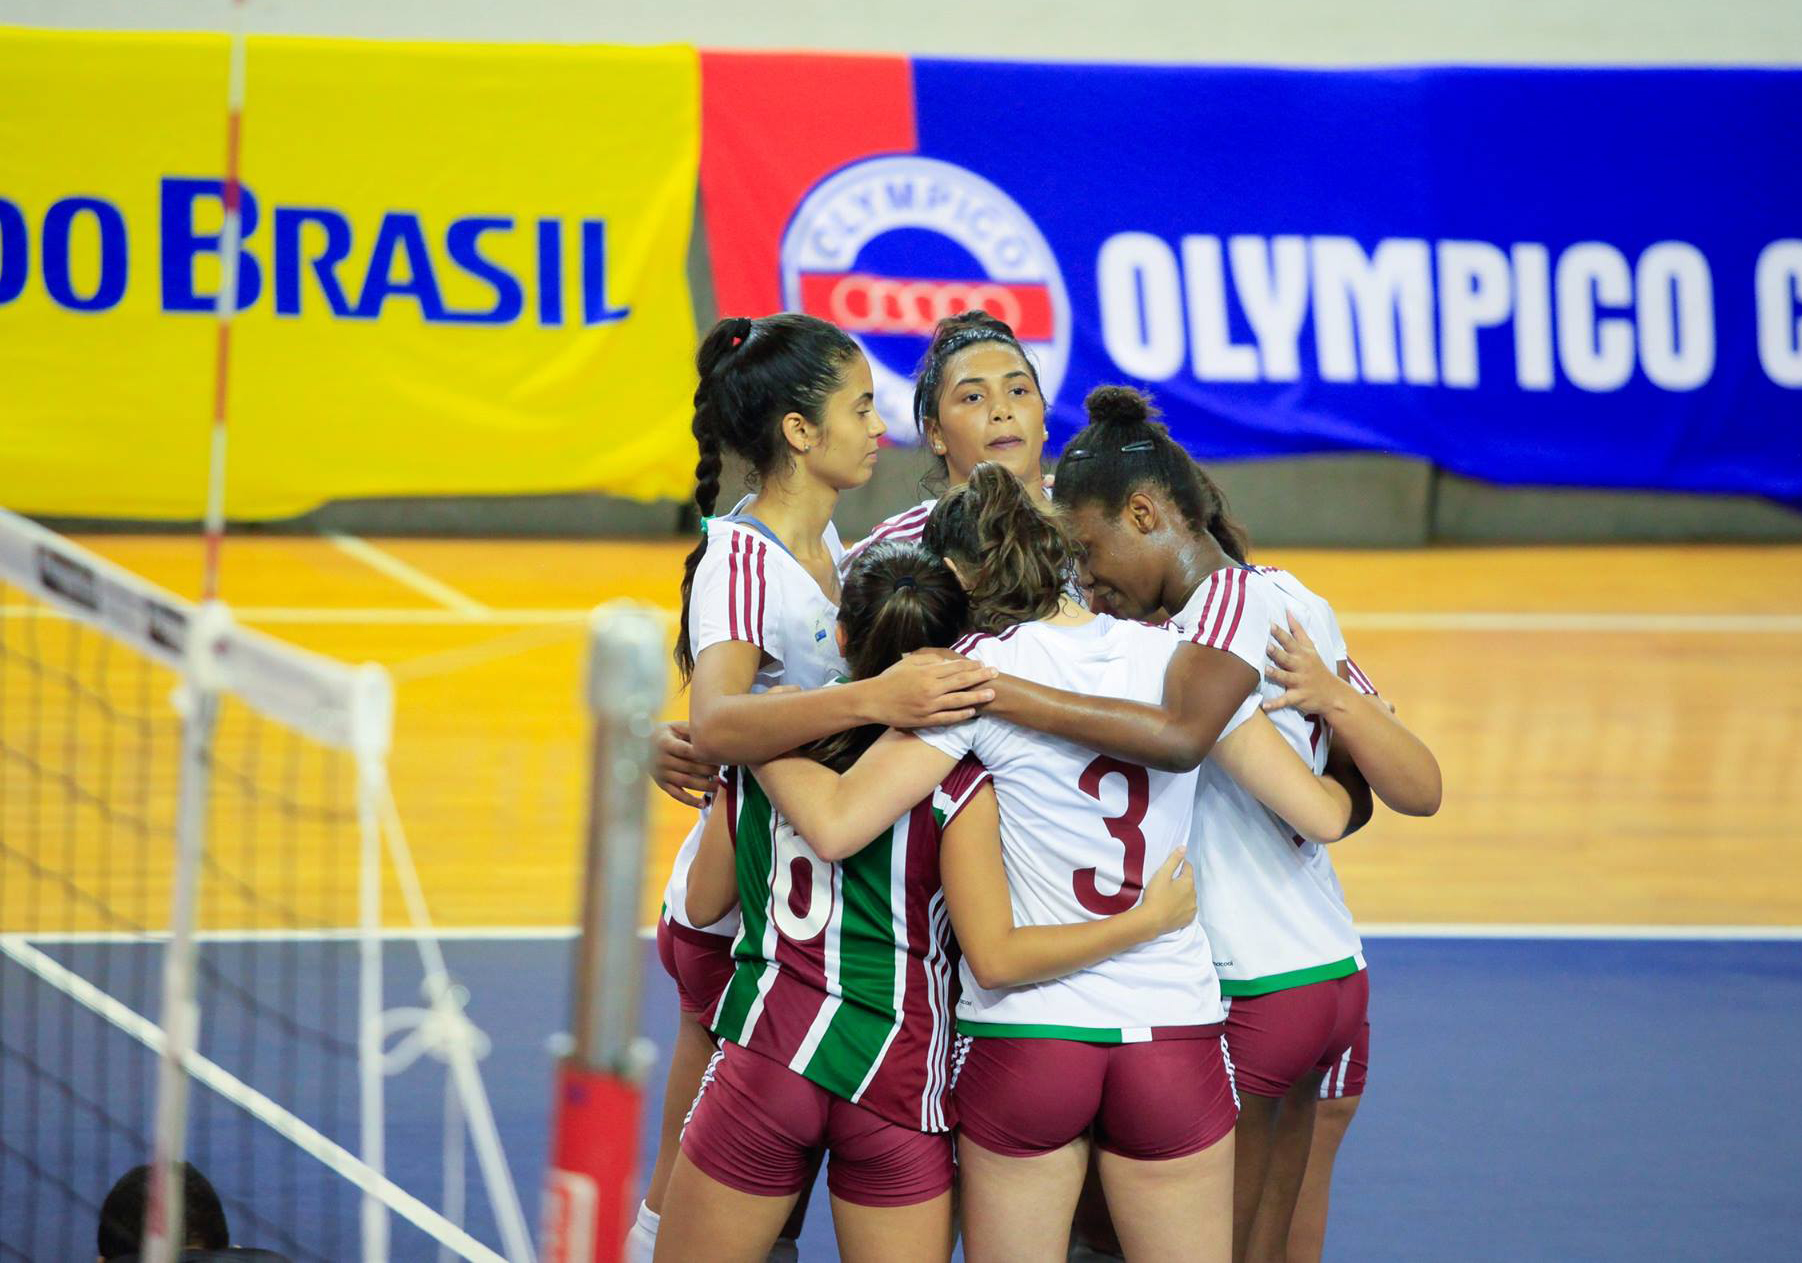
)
(1568, 277)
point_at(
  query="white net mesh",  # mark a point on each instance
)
(284, 1089)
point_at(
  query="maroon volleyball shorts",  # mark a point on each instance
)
(1281, 1037)
(1162, 1098)
(1345, 1076)
(760, 1128)
(699, 962)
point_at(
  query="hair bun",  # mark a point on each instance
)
(1114, 406)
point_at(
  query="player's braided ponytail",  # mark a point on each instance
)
(1124, 448)
(752, 374)
(1015, 557)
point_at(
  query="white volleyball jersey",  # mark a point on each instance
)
(1080, 833)
(1272, 905)
(908, 524)
(749, 587)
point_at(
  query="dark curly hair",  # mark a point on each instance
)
(1124, 448)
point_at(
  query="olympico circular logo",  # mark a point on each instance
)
(887, 247)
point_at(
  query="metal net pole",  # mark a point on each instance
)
(595, 1131)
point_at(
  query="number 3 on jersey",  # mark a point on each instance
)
(1124, 828)
(801, 887)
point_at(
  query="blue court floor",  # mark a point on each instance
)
(1528, 1099)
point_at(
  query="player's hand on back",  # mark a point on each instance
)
(931, 687)
(1169, 900)
(676, 770)
(1309, 684)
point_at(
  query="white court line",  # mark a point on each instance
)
(1375, 929)
(1622, 933)
(483, 616)
(474, 614)
(411, 576)
(1786, 624)
(336, 934)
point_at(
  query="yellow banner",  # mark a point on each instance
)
(463, 271)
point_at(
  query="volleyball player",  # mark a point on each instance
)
(1310, 687)
(792, 397)
(1128, 1047)
(1157, 538)
(836, 1023)
(976, 398)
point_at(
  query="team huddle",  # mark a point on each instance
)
(1010, 899)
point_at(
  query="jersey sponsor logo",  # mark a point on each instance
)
(887, 247)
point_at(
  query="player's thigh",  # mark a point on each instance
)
(1165, 1131)
(922, 1231)
(1016, 1208)
(687, 1064)
(704, 1218)
(1332, 1119)
(1179, 1209)
(1025, 1108)
(1307, 1226)
(1094, 1229)
(1252, 1139)
(1291, 1144)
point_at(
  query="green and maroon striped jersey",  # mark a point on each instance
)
(842, 972)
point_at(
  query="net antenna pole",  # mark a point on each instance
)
(163, 1233)
(225, 306)
(163, 1229)
(587, 1198)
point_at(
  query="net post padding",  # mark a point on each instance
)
(587, 1196)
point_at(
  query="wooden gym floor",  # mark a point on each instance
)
(1618, 727)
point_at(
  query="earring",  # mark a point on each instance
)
(939, 448)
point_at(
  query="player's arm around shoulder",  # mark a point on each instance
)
(1202, 689)
(729, 724)
(1266, 766)
(1398, 765)
(838, 814)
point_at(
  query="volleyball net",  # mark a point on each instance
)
(198, 848)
